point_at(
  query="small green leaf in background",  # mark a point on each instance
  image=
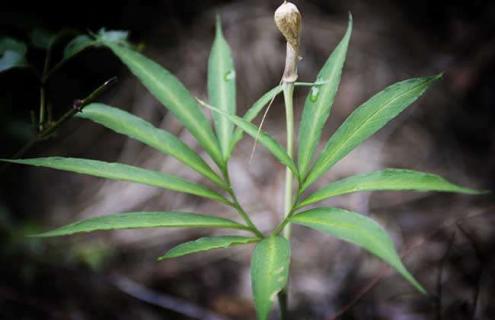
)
(359, 230)
(119, 171)
(134, 127)
(76, 45)
(12, 54)
(172, 94)
(253, 111)
(388, 179)
(269, 272)
(206, 244)
(137, 220)
(264, 138)
(319, 103)
(221, 87)
(366, 120)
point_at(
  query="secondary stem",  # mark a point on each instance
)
(77, 106)
(236, 205)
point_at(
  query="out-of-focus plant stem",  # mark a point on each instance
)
(77, 106)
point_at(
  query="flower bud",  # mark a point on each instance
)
(288, 20)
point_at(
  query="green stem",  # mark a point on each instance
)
(236, 205)
(289, 116)
(41, 124)
(289, 113)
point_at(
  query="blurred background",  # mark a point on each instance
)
(445, 238)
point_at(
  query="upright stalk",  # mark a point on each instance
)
(289, 115)
(288, 21)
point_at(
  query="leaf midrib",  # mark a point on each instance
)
(175, 100)
(348, 226)
(344, 143)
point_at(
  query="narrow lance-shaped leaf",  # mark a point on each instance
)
(366, 120)
(173, 95)
(265, 139)
(134, 127)
(269, 272)
(388, 179)
(359, 230)
(137, 220)
(253, 112)
(319, 103)
(77, 45)
(206, 244)
(119, 171)
(221, 87)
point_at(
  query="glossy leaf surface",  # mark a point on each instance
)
(221, 88)
(138, 220)
(388, 179)
(173, 95)
(206, 244)
(119, 171)
(356, 229)
(134, 127)
(366, 120)
(319, 103)
(269, 272)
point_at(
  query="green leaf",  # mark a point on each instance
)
(113, 36)
(173, 95)
(134, 127)
(76, 45)
(206, 244)
(366, 120)
(135, 220)
(256, 108)
(264, 138)
(221, 87)
(119, 171)
(253, 111)
(269, 272)
(359, 230)
(319, 103)
(12, 54)
(388, 179)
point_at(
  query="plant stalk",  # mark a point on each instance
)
(288, 20)
(236, 205)
(77, 106)
(289, 116)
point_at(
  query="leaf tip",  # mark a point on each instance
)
(421, 289)
(479, 192)
(218, 25)
(47, 234)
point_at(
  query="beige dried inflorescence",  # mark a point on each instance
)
(288, 20)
